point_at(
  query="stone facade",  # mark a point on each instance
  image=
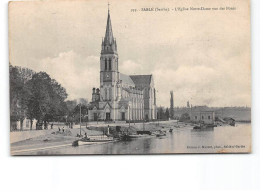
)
(120, 97)
(207, 117)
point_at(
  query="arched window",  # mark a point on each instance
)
(109, 63)
(105, 64)
(105, 94)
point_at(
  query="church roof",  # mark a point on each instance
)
(141, 80)
(126, 79)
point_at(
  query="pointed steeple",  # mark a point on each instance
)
(109, 43)
(109, 39)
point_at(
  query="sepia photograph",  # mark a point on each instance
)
(129, 77)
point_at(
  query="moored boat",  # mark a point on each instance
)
(203, 127)
(161, 134)
(125, 137)
(138, 135)
(93, 140)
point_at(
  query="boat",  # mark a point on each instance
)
(170, 130)
(197, 127)
(128, 137)
(138, 135)
(93, 140)
(98, 140)
(125, 137)
(203, 127)
(161, 133)
(144, 132)
(134, 136)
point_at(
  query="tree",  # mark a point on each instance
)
(35, 96)
(73, 110)
(167, 113)
(84, 112)
(15, 85)
(185, 117)
(83, 101)
(18, 94)
(71, 104)
(160, 113)
(46, 98)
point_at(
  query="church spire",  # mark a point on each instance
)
(109, 42)
(109, 39)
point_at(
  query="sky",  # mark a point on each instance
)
(202, 56)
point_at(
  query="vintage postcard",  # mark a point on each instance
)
(129, 77)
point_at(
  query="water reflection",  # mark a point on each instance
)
(176, 142)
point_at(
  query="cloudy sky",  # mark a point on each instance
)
(203, 56)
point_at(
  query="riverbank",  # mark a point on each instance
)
(92, 129)
(20, 141)
(223, 139)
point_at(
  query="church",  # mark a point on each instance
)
(120, 97)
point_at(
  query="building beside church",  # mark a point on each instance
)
(207, 117)
(120, 96)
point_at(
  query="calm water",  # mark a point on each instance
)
(181, 140)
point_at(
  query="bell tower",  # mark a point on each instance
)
(109, 74)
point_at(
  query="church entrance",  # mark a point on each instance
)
(123, 116)
(107, 116)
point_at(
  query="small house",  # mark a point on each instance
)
(206, 117)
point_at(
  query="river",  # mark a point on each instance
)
(181, 140)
